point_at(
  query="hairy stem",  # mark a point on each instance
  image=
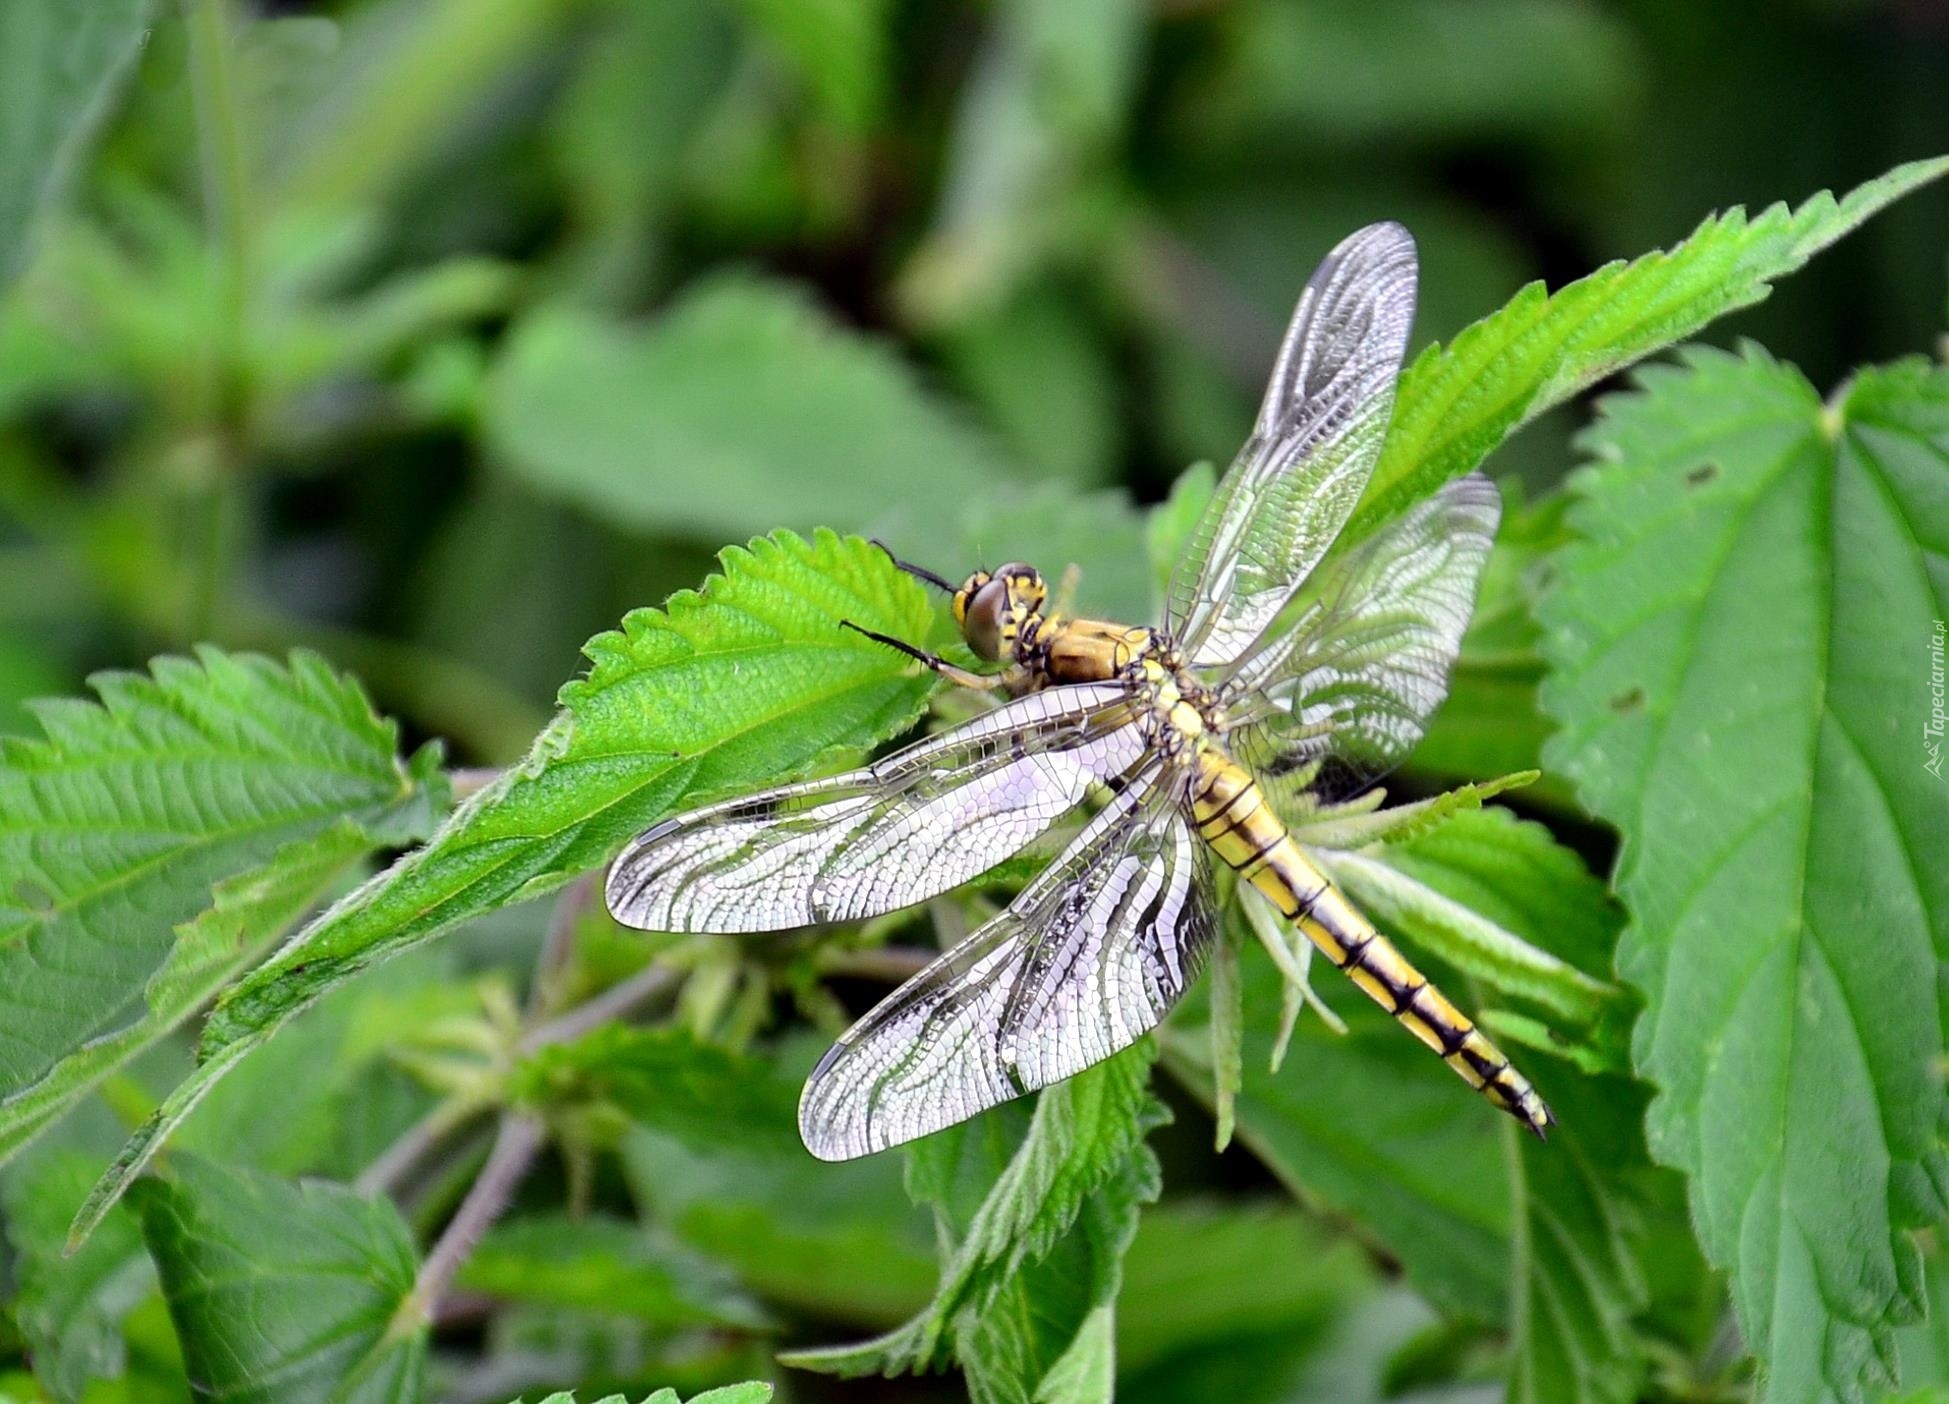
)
(516, 1144)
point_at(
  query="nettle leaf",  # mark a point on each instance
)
(60, 67)
(751, 1392)
(749, 679)
(1038, 1237)
(606, 1265)
(1455, 403)
(151, 843)
(1377, 1129)
(283, 1294)
(1371, 1125)
(666, 1079)
(741, 408)
(70, 1308)
(1755, 724)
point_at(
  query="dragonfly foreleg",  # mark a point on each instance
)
(959, 676)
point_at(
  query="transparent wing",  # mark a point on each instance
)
(1355, 679)
(1312, 450)
(874, 840)
(1086, 960)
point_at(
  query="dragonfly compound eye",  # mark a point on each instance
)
(984, 616)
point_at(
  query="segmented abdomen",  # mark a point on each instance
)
(1233, 816)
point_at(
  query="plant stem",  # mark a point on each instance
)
(516, 1144)
(399, 1160)
(558, 944)
(226, 196)
(613, 1003)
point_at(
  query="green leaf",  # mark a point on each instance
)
(605, 1265)
(1227, 1027)
(750, 679)
(283, 1294)
(1455, 403)
(1083, 1158)
(60, 67)
(1371, 1126)
(1578, 1281)
(70, 1309)
(1205, 1273)
(1741, 653)
(840, 1241)
(665, 1079)
(743, 407)
(751, 1392)
(152, 843)
(1358, 825)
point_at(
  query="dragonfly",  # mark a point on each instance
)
(1277, 656)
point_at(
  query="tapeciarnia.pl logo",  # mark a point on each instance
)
(1932, 728)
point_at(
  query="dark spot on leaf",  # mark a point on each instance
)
(33, 897)
(1702, 475)
(1628, 701)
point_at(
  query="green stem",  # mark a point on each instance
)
(226, 194)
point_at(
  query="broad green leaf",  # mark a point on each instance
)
(1740, 648)
(609, 1265)
(1578, 1282)
(1083, 1158)
(60, 66)
(840, 1241)
(751, 1392)
(741, 408)
(665, 1079)
(1455, 403)
(747, 681)
(70, 1309)
(1370, 1125)
(283, 1294)
(1202, 1274)
(152, 842)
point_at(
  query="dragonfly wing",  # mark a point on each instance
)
(874, 840)
(1083, 963)
(1318, 434)
(1355, 679)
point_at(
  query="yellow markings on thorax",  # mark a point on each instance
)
(1232, 815)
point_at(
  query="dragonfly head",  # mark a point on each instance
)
(992, 608)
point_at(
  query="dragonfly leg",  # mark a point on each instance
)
(960, 677)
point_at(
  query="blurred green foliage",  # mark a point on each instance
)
(433, 337)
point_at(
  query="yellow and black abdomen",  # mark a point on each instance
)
(1233, 816)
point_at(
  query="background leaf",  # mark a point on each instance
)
(749, 679)
(264, 782)
(740, 409)
(283, 1293)
(60, 66)
(1753, 723)
(1456, 403)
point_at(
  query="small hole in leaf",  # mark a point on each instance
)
(1628, 701)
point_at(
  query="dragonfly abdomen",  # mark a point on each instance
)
(1233, 816)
